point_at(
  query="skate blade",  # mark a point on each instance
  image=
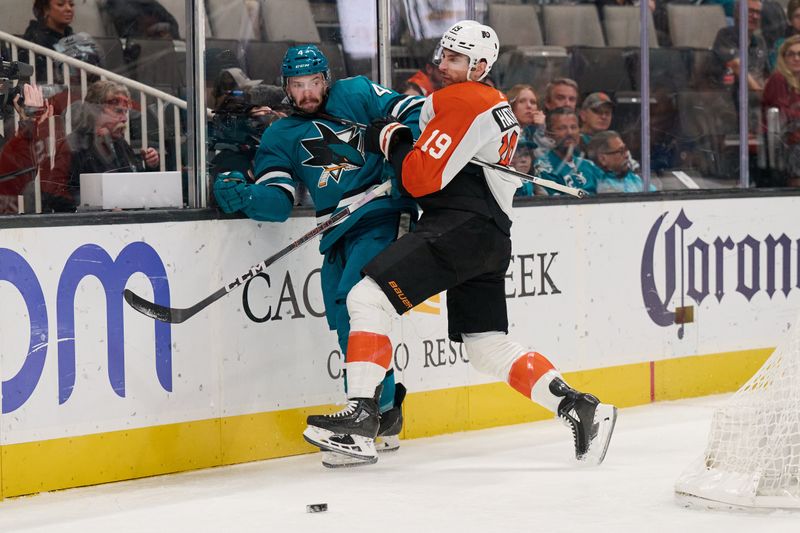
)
(387, 443)
(338, 460)
(605, 416)
(362, 447)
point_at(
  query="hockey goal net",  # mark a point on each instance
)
(752, 460)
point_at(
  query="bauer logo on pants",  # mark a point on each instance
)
(400, 294)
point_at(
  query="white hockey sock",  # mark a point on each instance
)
(369, 350)
(530, 373)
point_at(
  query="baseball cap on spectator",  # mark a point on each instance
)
(595, 100)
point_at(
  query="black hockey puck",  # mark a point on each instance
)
(316, 508)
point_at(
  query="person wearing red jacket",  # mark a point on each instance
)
(782, 91)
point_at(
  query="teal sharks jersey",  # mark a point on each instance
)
(329, 158)
(577, 173)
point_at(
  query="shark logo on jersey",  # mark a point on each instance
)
(334, 152)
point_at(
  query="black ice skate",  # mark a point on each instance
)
(350, 432)
(388, 439)
(592, 422)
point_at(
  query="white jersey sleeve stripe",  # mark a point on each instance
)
(274, 174)
(401, 106)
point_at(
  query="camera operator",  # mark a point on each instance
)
(243, 109)
(22, 154)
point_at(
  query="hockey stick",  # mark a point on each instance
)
(175, 315)
(572, 191)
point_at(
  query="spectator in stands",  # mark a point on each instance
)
(96, 145)
(52, 23)
(142, 18)
(561, 164)
(21, 155)
(774, 27)
(523, 161)
(596, 112)
(424, 81)
(792, 28)
(612, 171)
(783, 91)
(726, 51)
(531, 118)
(561, 92)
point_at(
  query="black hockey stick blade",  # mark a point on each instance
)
(170, 314)
(175, 315)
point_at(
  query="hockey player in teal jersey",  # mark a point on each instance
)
(313, 148)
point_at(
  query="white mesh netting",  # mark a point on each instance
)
(753, 455)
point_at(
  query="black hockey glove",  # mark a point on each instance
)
(383, 133)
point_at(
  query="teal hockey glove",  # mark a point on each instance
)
(231, 191)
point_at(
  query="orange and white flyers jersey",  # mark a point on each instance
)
(460, 122)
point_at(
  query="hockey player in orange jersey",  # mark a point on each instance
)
(461, 244)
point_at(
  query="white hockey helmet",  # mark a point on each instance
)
(473, 39)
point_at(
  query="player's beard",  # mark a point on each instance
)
(309, 105)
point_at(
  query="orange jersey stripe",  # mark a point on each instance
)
(527, 370)
(366, 347)
(446, 143)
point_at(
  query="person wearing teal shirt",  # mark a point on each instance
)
(561, 164)
(611, 169)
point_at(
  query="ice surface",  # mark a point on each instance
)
(517, 478)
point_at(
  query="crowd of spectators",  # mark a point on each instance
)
(570, 147)
(566, 135)
(601, 162)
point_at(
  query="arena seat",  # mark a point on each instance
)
(289, 20)
(670, 69)
(623, 27)
(111, 53)
(516, 25)
(160, 62)
(533, 65)
(88, 18)
(572, 25)
(264, 60)
(708, 126)
(603, 69)
(177, 8)
(235, 19)
(15, 18)
(694, 26)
